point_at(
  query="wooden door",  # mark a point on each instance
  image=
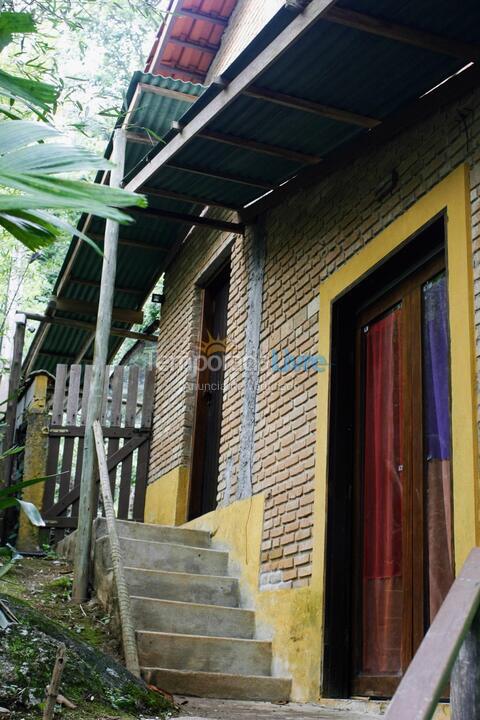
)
(208, 419)
(403, 563)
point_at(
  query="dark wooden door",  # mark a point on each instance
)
(403, 564)
(208, 419)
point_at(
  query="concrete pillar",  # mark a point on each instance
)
(35, 460)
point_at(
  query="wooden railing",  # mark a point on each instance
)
(450, 649)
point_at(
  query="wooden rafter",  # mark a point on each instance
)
(185, 218)
(133, 243)
(402, 33)
(96, 284)
(166, 92)
(297, 103)
(193, 45)
(182, 197)
(247, 77)
(80, 325)
(229, 177)
(80, 307)
(260, 147)
(195, 15)
(169, 69)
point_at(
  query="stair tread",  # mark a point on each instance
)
(217, 674)
(179, 572)
(171, 544)
(204, 638)
(208, 606)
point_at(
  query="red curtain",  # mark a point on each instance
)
(382, 516)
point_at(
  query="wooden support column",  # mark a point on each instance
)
(465, 685)
(87, 504)
(35, 461)
(256, 235)
(13, 387)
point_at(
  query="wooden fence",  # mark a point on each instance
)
(126, 424)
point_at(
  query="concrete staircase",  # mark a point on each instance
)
(193, 638)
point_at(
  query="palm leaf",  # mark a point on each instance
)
(14, 22)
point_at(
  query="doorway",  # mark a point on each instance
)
(209, 397)
(390, 559)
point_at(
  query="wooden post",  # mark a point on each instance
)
(86, 508)
(128, 630)
(54, 687)
(465, 681)
(34, 461)
(13, 387)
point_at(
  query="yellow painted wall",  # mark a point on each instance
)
(293, 618)
(166, 502)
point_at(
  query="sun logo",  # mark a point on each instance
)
(212, 346)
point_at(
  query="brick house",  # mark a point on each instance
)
(315, 399)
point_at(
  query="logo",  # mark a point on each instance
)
(213, 346)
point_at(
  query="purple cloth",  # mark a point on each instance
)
(436, 381)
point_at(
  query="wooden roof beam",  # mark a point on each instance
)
(402, 33)
(247, 77)
(96, 284)
(181, 197)
(229, 177)
(195, 15)
(185, 218)
(132, 243)
(297, 103)
(78, 324)
(213, 49)
(166, 92)
(246, 144)
(80, 307)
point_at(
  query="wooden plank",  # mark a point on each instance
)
(166, 92)
(127, 464)
(53, 453)
(115, 419)
(304, 105)
(96, 284)
(58, 402)
(132, 242)
(259, 147)
(109, 432)
(88, 308)
(269, 55)
(195, 15)
(212, 49)
(182, 197)
(421, 686)
(69, 442)
(144, 450)
(228, 177)
(197, 220)
(11, 411)
(402, 33)
(117, 332)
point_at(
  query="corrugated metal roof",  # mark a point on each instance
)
(330, 64)
(138, 269)
(189, 38)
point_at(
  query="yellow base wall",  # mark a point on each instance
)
(167, 498)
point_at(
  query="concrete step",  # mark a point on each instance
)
(192, 618)
(170, 556)
(207, 654)
(156, 533)
(219, 685)
(187, 587)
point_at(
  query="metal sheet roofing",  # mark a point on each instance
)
(307, 87)
(189, 38)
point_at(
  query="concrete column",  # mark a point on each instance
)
(256, 235)
(35, 461)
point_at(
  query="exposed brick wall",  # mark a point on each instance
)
(308, 238)
(248, 18)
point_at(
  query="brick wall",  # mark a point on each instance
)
(308, 238)
(246, 21)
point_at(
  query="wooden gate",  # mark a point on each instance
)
(126, 423)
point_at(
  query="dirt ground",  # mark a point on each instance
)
(198, 709)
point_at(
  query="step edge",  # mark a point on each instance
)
(170, 544)
(206, 533)
(177, 572)
(205, 673)
(207, 606)
(208, 638)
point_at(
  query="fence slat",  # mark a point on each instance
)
(127, 465)
(115, 419)
(54, 443)
(144, 451)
